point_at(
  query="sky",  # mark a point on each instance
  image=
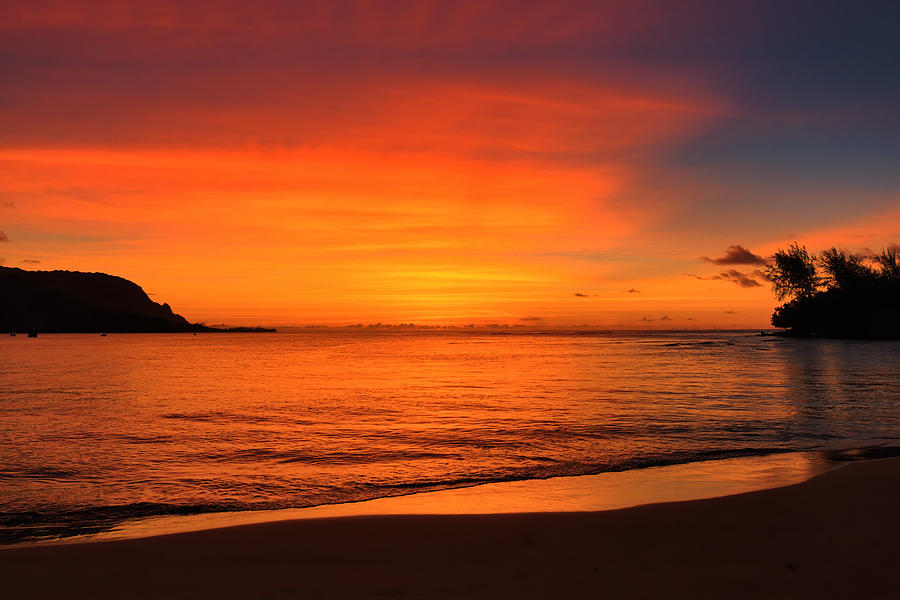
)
(614, 164)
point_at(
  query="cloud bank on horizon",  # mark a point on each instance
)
(342, 161)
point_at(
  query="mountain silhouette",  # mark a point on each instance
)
(74, 302)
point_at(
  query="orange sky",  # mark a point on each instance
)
(431, 163)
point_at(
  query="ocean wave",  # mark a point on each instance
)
(696, 343)
(38, 525)
(327, 458)
(18, 527)
(48, 473)
(576, 468)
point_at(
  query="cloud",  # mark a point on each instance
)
(868, 253)
(531, 319)
(736, 255)
(729, 312)
(745, 280)
(3, 237)
(760, 274)
(580, 295)
(634, 291)
(31, 261)
(662, 318)
(741, 279)
(8, 204)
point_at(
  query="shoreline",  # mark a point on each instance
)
(830, 536)
(576, 493)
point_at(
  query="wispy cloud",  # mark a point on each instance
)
(745, 280)
(741, 279)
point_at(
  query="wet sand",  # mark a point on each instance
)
(832, 536)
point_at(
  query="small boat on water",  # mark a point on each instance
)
(102, 335)
(32, 334)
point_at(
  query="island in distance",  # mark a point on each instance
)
(74, 302)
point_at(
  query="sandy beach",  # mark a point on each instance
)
(832, 536)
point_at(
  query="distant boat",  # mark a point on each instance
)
(102, 335)
(32, 334)
(12, 335)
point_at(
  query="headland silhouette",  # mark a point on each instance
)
(75, 302)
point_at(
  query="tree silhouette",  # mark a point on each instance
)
(844, 272)
(889, 262)
(859, 300)
(794, 273)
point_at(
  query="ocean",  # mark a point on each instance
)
(96, 431)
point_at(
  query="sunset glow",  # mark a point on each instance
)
(434, 162)
(449, 299)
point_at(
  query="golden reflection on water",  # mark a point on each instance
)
(132, 425)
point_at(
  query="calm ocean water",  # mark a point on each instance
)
(94, 431)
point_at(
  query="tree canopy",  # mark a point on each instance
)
(854, 296)
(793, 275)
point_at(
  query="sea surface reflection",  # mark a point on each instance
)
(94, 431)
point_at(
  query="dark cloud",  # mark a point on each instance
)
(531, 319)
(665, 318)
(729, 312)
(8, 204)
(634, 291)
(865, 253)
(741, 279)
(3, 237)
(760, 274)
(889, 246)
(580, 295)
(31, 261)
(736, 255)
(646, 319)
(868, 253)
(746, 280)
